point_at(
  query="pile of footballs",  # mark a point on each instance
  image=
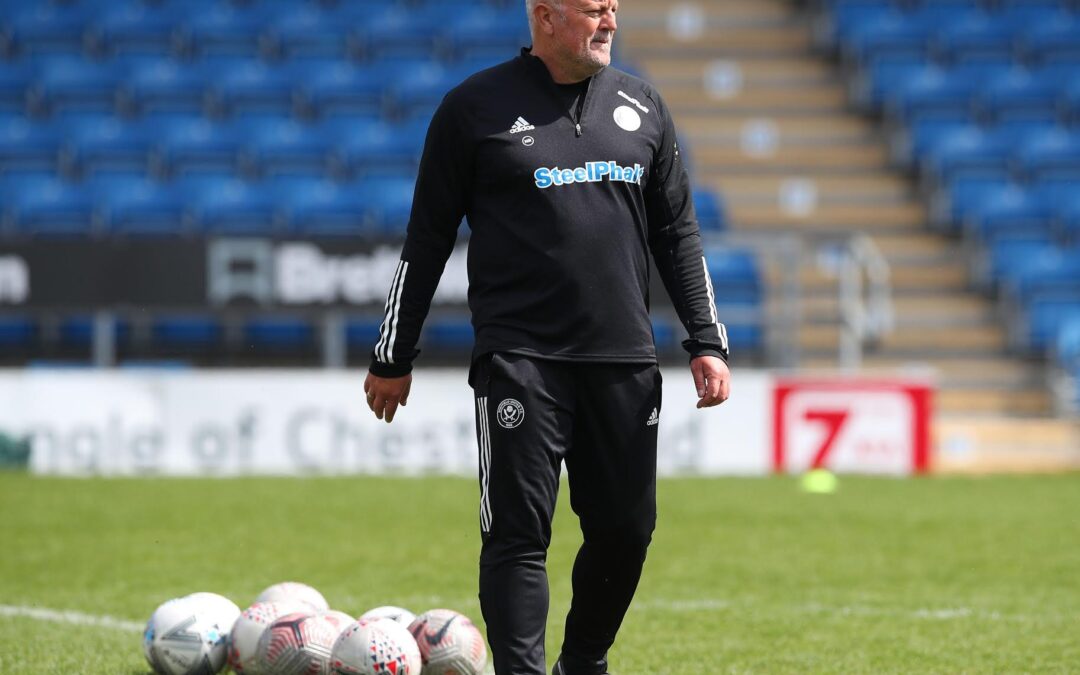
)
(291, 630)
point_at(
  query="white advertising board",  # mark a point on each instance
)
(228, 423)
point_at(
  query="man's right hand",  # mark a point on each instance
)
(385, 393)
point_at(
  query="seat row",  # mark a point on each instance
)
(356, 29)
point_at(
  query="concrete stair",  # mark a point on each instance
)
(768, 125)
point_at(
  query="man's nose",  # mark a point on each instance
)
(607, 21)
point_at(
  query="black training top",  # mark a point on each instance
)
(565, 202)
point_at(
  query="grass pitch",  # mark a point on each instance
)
(744, 575)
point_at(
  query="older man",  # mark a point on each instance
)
(569, 173)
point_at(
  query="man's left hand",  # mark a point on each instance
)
(712, 379)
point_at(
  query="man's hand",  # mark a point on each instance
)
(712, 379)
(385, 393)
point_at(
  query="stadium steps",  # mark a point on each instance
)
(767, 124)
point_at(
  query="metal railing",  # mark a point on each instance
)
(865, 294)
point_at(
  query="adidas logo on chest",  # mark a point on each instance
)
(520, 125)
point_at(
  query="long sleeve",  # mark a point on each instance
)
(438, 206)
(675, 242)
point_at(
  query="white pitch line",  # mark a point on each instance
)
(70, 616)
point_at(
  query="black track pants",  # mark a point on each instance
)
(532, 414)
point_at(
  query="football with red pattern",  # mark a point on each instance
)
(449, 643)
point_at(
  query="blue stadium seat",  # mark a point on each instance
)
(933, 93)
(390, 201)
(1067, 344)
(1070, 101)
(16, 80)
(192, 145)
(736, 276)
(187, 331)
(448, 333)
(881, 75)
(78, 331)
(76, 85)
(709, 208)
(17, 331)
(400, 32)
(44, 28)
(893, 34)
(1018, 95)
(277, 146)
(1054, 39)
(279, 333)
(954, 200)
(251, 86)
(317, 207)
(135, 28)
(52, 207)
(1053, 273)
(968, 151)
(231, 207)
(977, 37)
(27, 145)
(138, 206)
(94, 145)
(1051, 155)
(164, 86)
(1068, 212)
(1013, 213)
(1044, 318)
(309, 31)
(221, 29)
(327, 88)
(665, 334)
(423, 89)
(362, 332)
(1005, 255)
(376, 148)
(486, 33)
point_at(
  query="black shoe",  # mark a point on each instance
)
(559, 670)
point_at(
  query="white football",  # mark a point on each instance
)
(294, 590)
(339, 619)
(402, 616)
(449, 643)
(223, 610)
(181, 638)
(297, 644)
(375, 647)
(245, 634)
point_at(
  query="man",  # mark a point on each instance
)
(569, 174)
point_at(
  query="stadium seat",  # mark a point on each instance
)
(1017, 95)
(309, 31)
(27, 145)
(17, 331)
(1044, 318)
(709, 208)
(362, 332)
(95, 145)
(251, 86)
(16, 79)
(977, 37)
(328, 88)
(933, 93)
(1067, 343)
(277, 146)
(736, 277)
(231, 207)
(399, 32)
(1051, 155)
(893, 34)
(366, 148)
(1053, 39)
(1068, 212)
(192, 145)
(43, 28)
(1013, 213)
(952, 202)
(1053, 273)
(52, 207)
(316, 207)
(390, 201)
(1005, 255)
(75, 85)
(448, 333)
(423, 89)
(486, 33)
(138, 206)
(221, 29)
(164, 86)
(134, 28)
(968, 151)
(881, 75)
(186, 331)
(279, 333)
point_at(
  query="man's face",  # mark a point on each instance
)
(584, 30)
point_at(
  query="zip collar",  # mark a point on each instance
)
(536, 67)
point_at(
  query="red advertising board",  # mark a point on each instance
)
(851, 425)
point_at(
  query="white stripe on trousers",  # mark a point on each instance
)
(485, 463)
(384, 350)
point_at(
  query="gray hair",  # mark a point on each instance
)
(530, 5)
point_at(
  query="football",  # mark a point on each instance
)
(181, 638)
(297, 644)
(402, 616)
(294, 590)
(245, 634)
(341, 620)
(449, 643)
(219, 608)
(375, 647)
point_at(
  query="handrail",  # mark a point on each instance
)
(866, 310)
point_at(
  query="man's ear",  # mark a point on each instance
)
(544, 17)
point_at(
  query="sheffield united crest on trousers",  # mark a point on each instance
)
(510, 413)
